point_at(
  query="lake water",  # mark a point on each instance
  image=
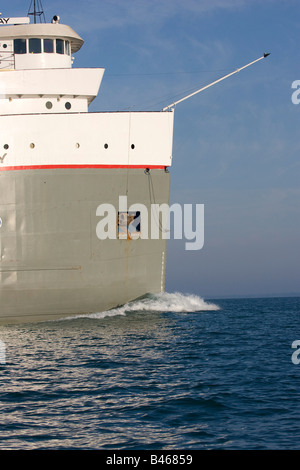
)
(170, 371)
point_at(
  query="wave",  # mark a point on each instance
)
(161, 303)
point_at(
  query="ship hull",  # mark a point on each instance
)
(53, 263)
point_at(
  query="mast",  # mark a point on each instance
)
(37, 12)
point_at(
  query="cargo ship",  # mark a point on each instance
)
(58, 163)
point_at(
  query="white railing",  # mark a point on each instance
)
(7, 60)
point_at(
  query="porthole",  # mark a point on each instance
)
(68, 105)
(4, 46)
(49, 105)
(132, 146)
(6, 146)
(77, 145)
(106, 146)
(32, 145)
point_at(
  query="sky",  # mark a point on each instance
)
(236, 146)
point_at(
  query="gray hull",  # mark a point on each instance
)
(52, 264)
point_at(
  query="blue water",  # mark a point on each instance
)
(168, 372)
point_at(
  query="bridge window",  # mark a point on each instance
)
(20, 46)
(35, 46)
(60, 46)
(48, 45)
(67, 47)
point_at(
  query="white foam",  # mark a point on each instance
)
(163, 302)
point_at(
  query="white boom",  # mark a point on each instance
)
(213, 83)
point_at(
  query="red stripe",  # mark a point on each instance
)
(46, 167)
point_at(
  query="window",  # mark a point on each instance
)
(60, 46)
(129, 225)
(20, 46)
(67, 47)
(48, 46)
(35, 46)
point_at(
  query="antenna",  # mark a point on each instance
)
(216, 81)
(37, 12)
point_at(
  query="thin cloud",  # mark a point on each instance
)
(118, 13)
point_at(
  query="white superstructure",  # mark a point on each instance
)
(37, 80)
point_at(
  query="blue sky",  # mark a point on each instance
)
(236, 146)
